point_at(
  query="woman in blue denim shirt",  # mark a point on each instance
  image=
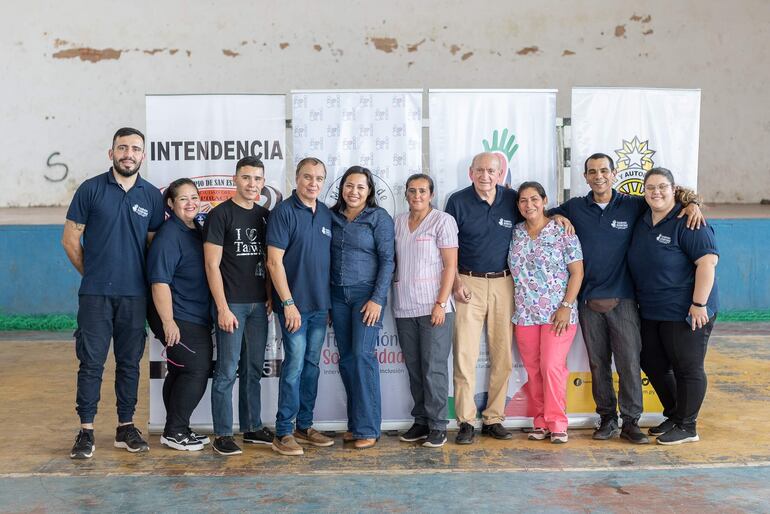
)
(362, 269)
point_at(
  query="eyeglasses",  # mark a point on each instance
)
(165, 357)
(660, 187)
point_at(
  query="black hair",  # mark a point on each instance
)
(598, 156)
(537, 186)
(126, 131)
(171, 191)
(249, 160)
(371, 201)
(420, 176)
(663, 172)
(309, 160)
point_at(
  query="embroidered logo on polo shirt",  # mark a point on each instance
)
(325, 231)
(141, 211)
(505, 223)
(664, 240)
(620, 225)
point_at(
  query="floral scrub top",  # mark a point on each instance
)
(539, 271)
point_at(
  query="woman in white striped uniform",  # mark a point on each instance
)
(426, 260)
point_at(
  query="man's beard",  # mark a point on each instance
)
(123, 172)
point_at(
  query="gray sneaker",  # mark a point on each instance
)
(287, 445)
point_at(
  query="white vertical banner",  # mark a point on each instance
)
(519, 125)
(640, 129)
(202, 137)
(380, 130)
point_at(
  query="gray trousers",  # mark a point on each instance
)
(616, 333)
(426, 350)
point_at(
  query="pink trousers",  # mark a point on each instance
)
(545, 359)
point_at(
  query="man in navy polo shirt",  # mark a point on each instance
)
(485, 213)
(604, 221)
(116, 213)
(298, 257)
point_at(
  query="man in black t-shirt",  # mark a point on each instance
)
(235, 252)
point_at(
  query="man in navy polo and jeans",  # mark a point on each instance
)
(604, 221)
(485, 213)
(298, 257)
(235, 251)
(116, 213)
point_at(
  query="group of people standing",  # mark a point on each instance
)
(497, 257)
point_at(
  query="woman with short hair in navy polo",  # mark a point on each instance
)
(179, 314)
(362, 269)
(673, 269)
(547, 270)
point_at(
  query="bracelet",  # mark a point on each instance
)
(288, 302)
(699, 304)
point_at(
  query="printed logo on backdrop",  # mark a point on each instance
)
(215, 189)
(382, 191)
(505, 148)
(633, 161)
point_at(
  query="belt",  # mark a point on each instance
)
(491, 274)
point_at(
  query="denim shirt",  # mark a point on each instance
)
(363, 250)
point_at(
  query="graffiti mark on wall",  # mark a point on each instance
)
(54, 165)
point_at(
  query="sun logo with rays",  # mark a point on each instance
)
(633, 161)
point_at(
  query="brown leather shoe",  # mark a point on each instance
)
(347, 437)
(312, 436)
(362, 444)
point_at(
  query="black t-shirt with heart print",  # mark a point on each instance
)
(241, 234)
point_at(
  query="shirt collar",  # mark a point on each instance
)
(111, 179)
(590, 198)
(179, 223)
(673, 212)
(498, 194)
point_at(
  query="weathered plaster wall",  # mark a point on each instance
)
(72, 72)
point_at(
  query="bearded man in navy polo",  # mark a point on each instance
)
(116, 213)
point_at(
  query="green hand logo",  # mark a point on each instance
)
(503, 144)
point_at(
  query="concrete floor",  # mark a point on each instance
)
(728, 471)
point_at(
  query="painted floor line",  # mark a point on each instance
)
(408, 472)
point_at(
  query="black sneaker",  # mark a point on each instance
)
(84, 445)
(262, 436)
(201, 438)
(608, 428)
(678, 435)
(632, 433)
(435, 439)
(225, 445)
(181, 442)
(415, 433)
(497, 431)
(662, 428)
(465, 435)
(130, 438)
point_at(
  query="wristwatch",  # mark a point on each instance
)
(287, 302)
(566, 304)
(441, 304)
(699, 304)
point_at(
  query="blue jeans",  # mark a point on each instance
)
(246, 344)
(359, 367)
(298, 385)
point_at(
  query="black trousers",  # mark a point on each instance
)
(184, 386)
(673, 357)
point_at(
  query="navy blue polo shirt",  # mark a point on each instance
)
(115, 237)
(175, 258)
(484, 230)
(306, 239)
(605, 235)
(661, 259)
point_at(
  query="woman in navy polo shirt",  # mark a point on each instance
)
(180, 312)
(673, 269)
(362, 269)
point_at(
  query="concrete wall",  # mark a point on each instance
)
(37, 278)
(72, 72)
